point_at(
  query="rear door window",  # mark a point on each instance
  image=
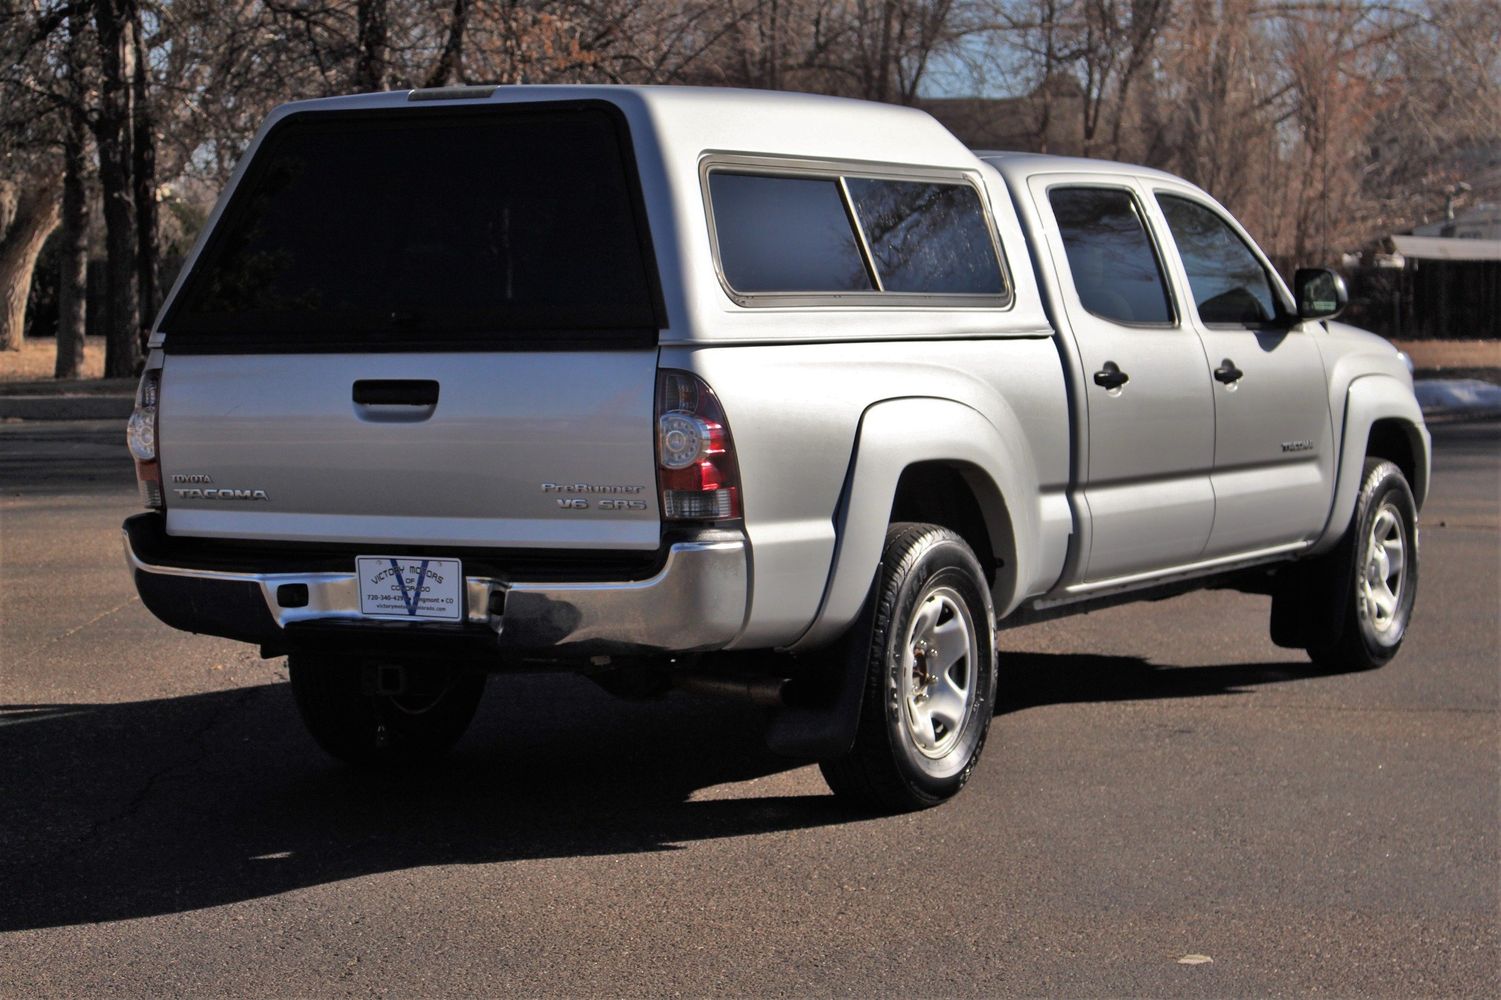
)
(1111, 258)
(421, 229)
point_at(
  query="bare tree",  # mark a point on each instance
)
(370, 62)
(28, 158)
(1319, 122)
(450, 59)
(29, 214)
(1441, 127)
(143, 169)
(73, 256)
(113, 20)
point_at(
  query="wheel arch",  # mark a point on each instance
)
(904, 450)
(963, 498)
(1381, 419)
(1398, 441)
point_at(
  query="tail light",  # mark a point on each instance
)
(696, 467)
(140, 434)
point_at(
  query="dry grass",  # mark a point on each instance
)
(34, 362)
(1453, 353)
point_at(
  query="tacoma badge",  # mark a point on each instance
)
(224, 494)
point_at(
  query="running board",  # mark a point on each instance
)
(1153, 586)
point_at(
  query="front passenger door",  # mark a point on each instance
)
(1273, 452)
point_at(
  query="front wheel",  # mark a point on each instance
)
(930, 675)
(356, 716)
(1379, 583)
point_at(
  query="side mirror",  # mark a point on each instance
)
(1321, 293)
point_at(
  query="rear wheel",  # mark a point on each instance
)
(379, 714)
(930, 675)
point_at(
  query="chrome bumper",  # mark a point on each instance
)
(696, 602)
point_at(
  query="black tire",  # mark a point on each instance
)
(1377, 577)
(920, 734)
(336, 700)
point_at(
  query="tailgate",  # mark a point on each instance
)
(527, 450)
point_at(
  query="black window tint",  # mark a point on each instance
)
(785, 234)
(424, 227)
(1110, 255)
(1228, 282)
(929, 238)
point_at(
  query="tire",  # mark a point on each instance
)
(921, 728)
(336, 700)
(1377, 581)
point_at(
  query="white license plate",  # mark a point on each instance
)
(411, 587)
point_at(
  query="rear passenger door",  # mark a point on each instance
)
(1273, 437)
(1149, 445)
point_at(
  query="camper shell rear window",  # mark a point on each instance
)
(505, 226)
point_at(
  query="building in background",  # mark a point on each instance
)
(1441, 281)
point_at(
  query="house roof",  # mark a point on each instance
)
(1446, 248)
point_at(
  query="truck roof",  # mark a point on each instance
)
(1015, 165)
(689, 120)
(672, 129)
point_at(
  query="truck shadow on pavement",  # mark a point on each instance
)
(131, 810)
(1032, 679)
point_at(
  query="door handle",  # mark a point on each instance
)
(1227, 372)
(1111, 376)
(396, 392)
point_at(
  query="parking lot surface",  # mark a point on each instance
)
(1162, 786)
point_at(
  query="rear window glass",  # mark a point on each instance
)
(1110, 256)
(785, 234)
(420, 227)
(927, 238)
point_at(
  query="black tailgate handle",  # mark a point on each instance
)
(396, 392)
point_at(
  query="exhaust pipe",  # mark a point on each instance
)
(769, 691)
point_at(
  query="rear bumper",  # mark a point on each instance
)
(695, 601)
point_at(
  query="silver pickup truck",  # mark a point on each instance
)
(785, 397)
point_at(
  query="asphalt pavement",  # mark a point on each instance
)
(1169, 806)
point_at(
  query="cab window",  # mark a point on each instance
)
(1228, 282)
(1110, 256)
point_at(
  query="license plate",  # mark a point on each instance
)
(411, 587)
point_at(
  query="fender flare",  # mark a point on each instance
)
(895, 434)
(1368, 399)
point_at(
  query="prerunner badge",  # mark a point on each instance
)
(411, 587)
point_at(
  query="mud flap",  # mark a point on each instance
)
(824, 714)
(820, 733)
(1311, 600)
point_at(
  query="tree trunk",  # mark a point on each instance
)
(450, 58)
(111, 133)
(370, 61)
(143, 164)
(35, 217)
(73, 261)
